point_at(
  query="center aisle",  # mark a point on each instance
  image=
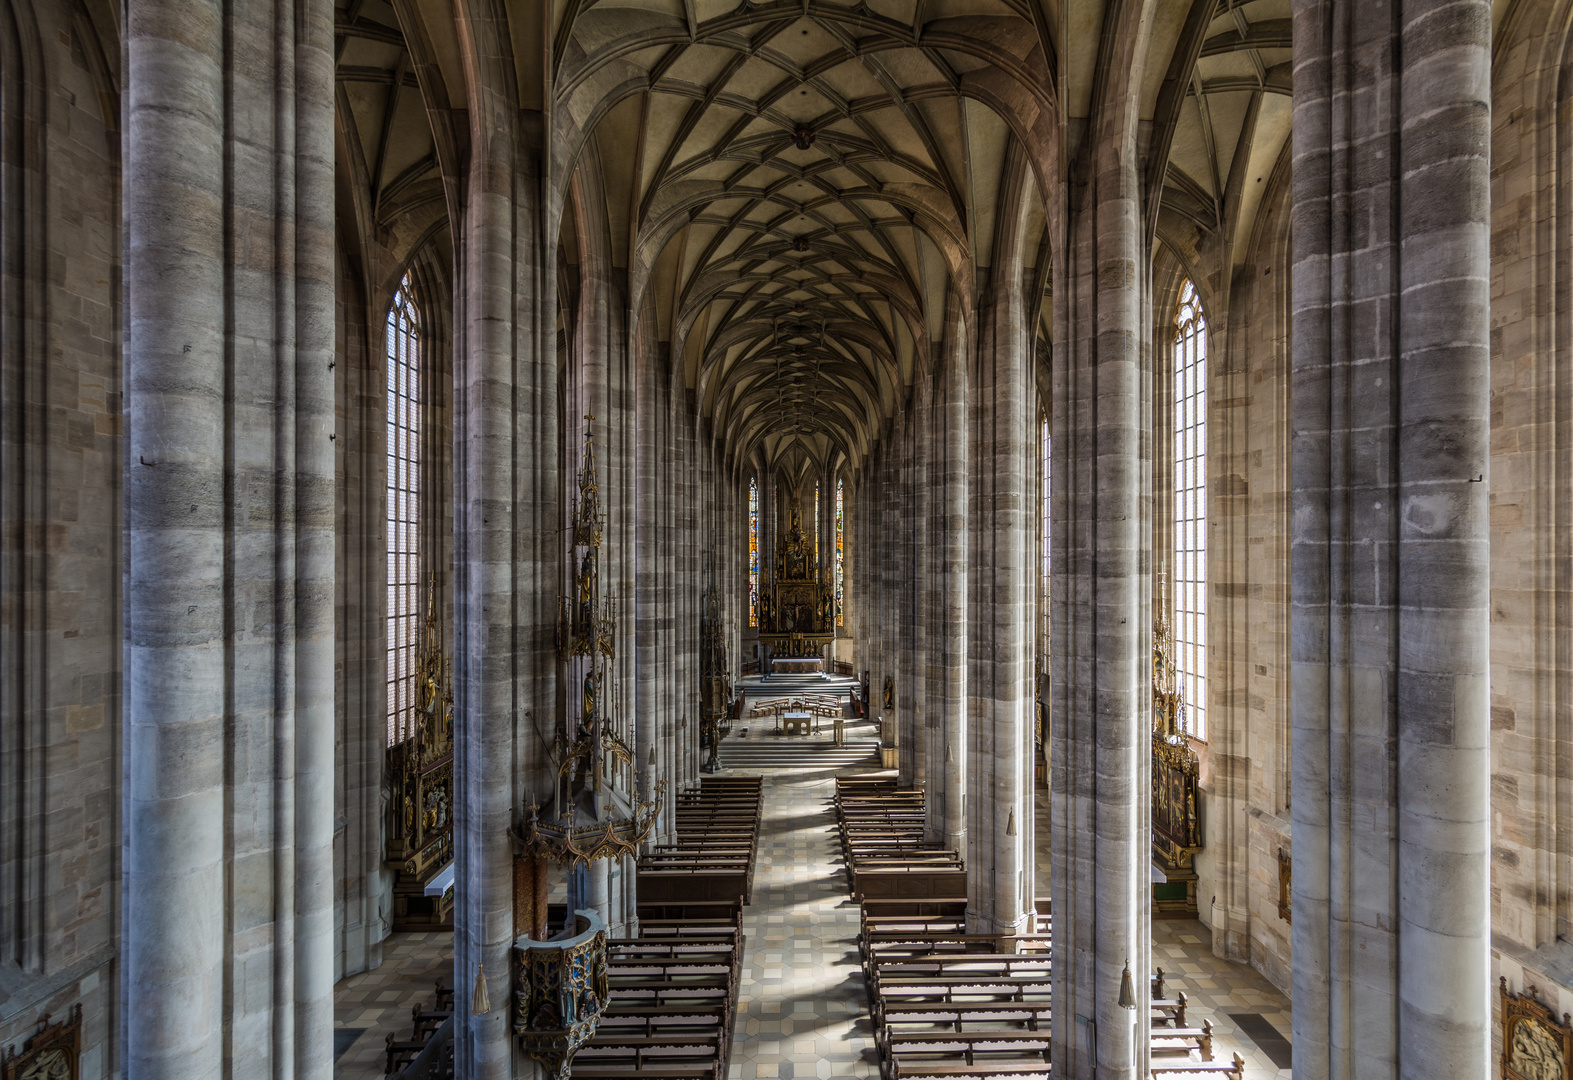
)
(801, 1005)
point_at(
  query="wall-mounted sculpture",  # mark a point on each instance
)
(52, 1053)
(1535, 1044)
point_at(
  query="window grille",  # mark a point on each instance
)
(1190, 508)
(403, 497)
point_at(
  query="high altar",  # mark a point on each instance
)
(797, 607)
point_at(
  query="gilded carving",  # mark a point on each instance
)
(562, 991)
(420, 839)
(1176, 781)
(797, 610)
(1535, 1045)
(597, 810)
(51, 1054)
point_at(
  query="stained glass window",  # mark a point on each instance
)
(1190, 507)
(403, 496)
(841, 522)
(753, 552)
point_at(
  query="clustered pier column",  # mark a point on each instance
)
(229, 742)
(1390, 579)
(1101, 760)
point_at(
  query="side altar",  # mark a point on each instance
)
(797, 607)
(420, 768)
(1176, 787)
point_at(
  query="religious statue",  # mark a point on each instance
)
(1535, 1053)
(1535, 1045)
(53, 1053)
(589, 698)
(586, 585)
(890, 692)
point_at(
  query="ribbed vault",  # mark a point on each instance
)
(797, 189)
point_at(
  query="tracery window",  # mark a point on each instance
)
(753, 551)
(1190, 507)
(816, 520)
(403, 497)
(841, 521)
(1043, 503)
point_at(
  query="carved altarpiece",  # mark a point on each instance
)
(420, 836)
(1176, 790)
(797, 608)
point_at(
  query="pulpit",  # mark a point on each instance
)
(562, 993)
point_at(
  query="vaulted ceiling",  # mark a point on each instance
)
(803, 195)
(798, 187)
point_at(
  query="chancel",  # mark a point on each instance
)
(742, 539)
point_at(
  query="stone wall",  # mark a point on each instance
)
(60, 563)
(1531, 527)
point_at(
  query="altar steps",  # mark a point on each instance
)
(782, 752)
(799, 683)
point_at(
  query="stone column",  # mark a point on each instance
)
(951, 551)
(229, 513)
(508, 556)
(932, 631)
(176, 672)
(1389, 570)
(1001, 602)
(905, 576)
(1101, 759)
(653, 733)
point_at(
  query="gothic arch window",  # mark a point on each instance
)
(403, 502)
(1190, 507)
(753, 551)
(841, 566)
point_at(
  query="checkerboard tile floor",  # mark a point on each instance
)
(379, 1000)
(1214, 987)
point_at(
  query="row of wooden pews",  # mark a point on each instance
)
(882, 842)
(946, 1003)
(717, 828)
(673, 989)
(425, 1021)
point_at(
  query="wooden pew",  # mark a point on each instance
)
(1182, 1042)
(1200, 1070)
(975, 1055)
(1170, 1012)
(895, 883)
